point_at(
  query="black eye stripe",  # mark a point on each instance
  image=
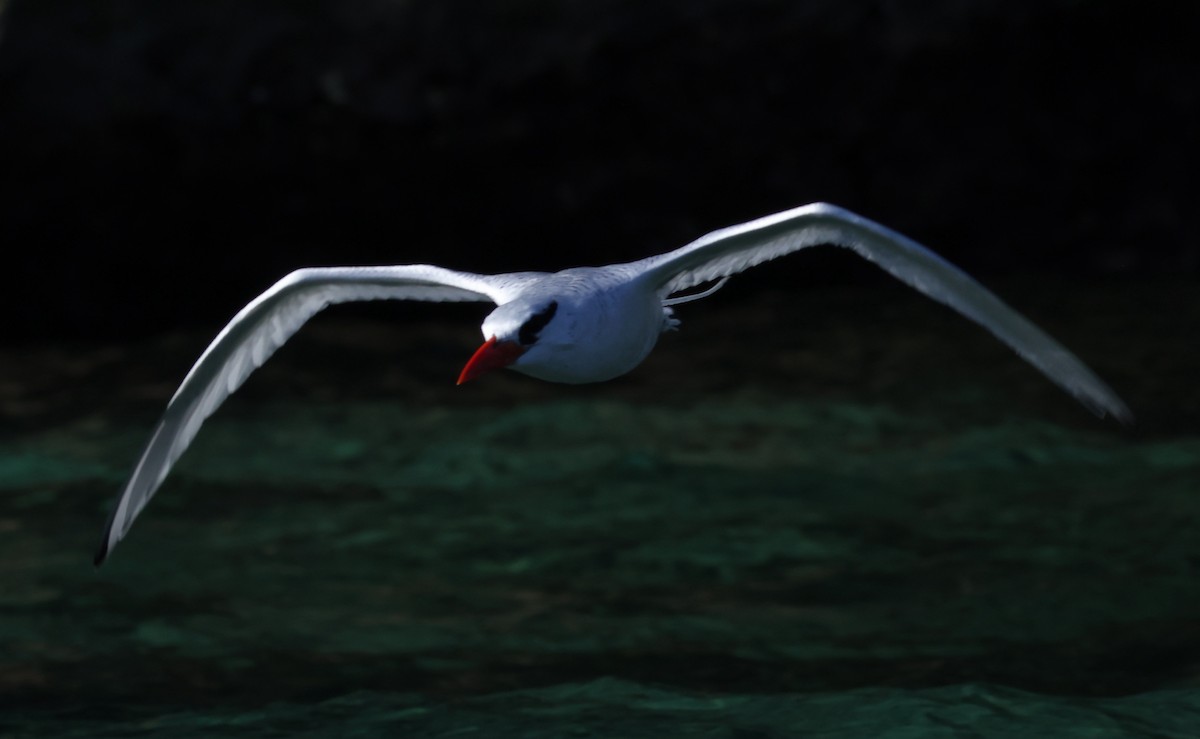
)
(528, 333)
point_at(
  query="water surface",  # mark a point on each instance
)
(870, 522)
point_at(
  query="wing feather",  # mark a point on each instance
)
(734, 249)
(256, 332)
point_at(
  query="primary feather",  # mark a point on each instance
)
(256, 332)
(734, 249)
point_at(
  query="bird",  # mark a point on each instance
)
(578, 325)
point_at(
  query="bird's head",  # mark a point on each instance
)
(517, 333)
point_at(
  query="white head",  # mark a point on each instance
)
(520, 334)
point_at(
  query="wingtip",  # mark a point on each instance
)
(1125, 417)
(1111, 407)
(105, 548)
(106, 542)
(1110, 404)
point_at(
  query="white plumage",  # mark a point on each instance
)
(585, 324)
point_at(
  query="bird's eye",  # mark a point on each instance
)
(528, 333)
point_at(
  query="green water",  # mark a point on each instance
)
(875, 524)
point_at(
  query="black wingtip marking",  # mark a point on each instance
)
(102, 554)
(104, 550)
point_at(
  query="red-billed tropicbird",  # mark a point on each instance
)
(586, 324)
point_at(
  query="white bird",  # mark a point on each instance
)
(586, 324)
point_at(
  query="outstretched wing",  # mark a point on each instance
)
(261, 328)
(731, 250)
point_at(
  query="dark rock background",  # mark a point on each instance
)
(163, 162)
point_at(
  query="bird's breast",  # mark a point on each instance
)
(608, 331)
